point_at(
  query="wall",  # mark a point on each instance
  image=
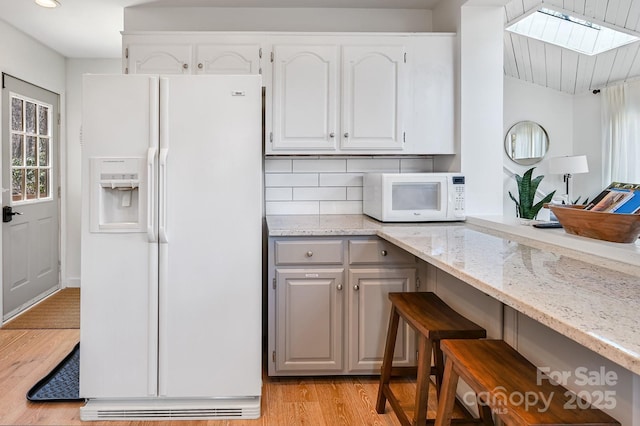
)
(148, 18)
(26, 59)
(573, 126)
(481, 120)
(326, 185)
(74, 70)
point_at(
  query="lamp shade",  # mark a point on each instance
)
(570, 164)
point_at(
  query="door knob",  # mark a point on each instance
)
(309, 253)
(339, 287)
(8, 213)
(356, 287)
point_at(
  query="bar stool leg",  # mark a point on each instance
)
(387, 360)
(422, 381)
(447, 395)
(438, 361)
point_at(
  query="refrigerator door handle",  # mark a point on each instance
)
(151, 199)
(162, 215)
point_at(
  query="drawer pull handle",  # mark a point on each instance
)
(356, 287)
(339, 287)
(383, 252)
(309, 253)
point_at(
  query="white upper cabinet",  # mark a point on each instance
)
(373, 97)
(227, 59)
(326, 94)
(432, 103)
(182, 53)
(305, 102)
(159, 59)
(337, 98)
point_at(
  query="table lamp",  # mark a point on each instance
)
(568, 165)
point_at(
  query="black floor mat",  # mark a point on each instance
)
(62, 383)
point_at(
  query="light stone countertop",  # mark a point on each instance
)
(590, 299)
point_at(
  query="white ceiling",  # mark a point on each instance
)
(567, 71)
(91, 28)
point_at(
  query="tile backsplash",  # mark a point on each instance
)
(318, 185)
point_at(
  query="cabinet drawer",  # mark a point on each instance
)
(377, 251)
(309, 252)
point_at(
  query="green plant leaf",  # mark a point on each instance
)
(527, 187)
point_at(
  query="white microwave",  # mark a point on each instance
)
(413, 197)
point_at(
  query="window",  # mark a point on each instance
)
(30, 133)
(570, 32)
(621, 150)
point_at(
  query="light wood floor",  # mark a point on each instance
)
(28, 355)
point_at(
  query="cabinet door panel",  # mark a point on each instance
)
(369, 317)
(373, 80)
(304, 97)
(309, 320)
(227, 59)
(165, 59)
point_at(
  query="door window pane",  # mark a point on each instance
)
(31, 184)
(43, 120)
(16, 114)
(17, 150)
(43, 152)
(30, 157)
(17, 185)
(43, 183)
(31, 147)
(30, 115)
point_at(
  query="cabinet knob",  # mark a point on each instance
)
(332, 135)
(383, 252)
(346, 135)
(185, 66)
(309, 253)
(356, 287)
(200, 65)
(339, 287)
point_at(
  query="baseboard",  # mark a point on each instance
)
(171, 409)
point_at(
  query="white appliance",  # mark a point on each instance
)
(413, 197)
(171, 247)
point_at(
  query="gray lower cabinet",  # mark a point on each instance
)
(328, 308)
(310, 314)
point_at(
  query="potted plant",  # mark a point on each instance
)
(525, 208)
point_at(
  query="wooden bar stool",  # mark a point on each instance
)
(510, 386)
(433, 320)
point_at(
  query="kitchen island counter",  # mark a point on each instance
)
(594, 301)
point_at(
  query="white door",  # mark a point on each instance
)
(305, 98)
(373, 84)
(210, 231)
(30, 236)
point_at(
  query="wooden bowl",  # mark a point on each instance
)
(614, 227)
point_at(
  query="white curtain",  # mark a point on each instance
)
(621, 134)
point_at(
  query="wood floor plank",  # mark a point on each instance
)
(28, 355)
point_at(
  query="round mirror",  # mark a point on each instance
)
(526, 143)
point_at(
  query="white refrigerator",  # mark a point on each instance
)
(171, 268)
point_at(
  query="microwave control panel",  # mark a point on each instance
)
(458, 201)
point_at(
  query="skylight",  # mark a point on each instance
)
(570, 32)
